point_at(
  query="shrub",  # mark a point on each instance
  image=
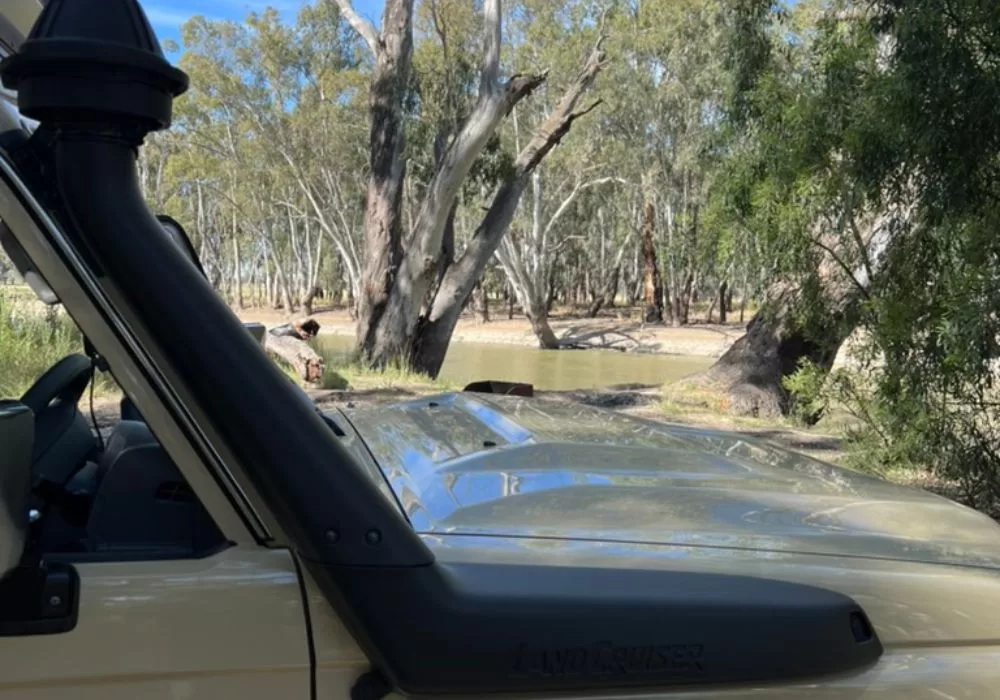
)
(32, 339)
(808, 390)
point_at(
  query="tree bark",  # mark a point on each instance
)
(539, 319)
(750, 373)
(605, 297)
(682, 301)
(481, 299)
(397, 323)
(652, 285)
(308, 299)
(383, 226)
(431, 342)
(749, 376)
(724, 301)
(237, 270)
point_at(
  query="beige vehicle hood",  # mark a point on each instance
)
(465, 464)
(520, 481)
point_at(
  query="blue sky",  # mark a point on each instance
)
(167, 16)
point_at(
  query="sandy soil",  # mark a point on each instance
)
(617, 332)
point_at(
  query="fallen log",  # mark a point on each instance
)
(288, 342)
(306, 329)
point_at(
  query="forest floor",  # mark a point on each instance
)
(614, 330)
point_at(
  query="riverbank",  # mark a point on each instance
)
(609, 332)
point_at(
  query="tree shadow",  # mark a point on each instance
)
(620, 338)
(795, 440)
(621, 396)
(375, 395)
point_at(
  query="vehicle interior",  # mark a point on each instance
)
(97, 496)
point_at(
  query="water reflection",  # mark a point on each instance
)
(517, 467)
(545, 369)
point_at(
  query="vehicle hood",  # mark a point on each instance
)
(465, 464)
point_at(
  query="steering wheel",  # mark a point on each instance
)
(61, 446)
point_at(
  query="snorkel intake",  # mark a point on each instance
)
(93, 74)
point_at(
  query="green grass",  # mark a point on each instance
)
(342, 373)
(34, 337)
(358, 376)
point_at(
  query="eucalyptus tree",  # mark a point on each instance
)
(273, 112)
(802, 184)
(412, 292)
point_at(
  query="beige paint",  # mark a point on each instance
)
(228, 626)
(940, 624)
(339, 659)
(21, 14)
(231, 626)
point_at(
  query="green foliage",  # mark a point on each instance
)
(934, 316)
(807, 392)
(862, 109)
(31, 341)
(771, 138)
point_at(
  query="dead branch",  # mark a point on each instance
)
(363, 27)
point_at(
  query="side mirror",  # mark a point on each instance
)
(36, 597)
(17, 432)
(176, 233)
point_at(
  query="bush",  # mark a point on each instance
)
(32, 339)
(808, 390)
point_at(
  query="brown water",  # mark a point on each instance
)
(554, 370)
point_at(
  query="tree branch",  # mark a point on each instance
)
(519, 87)
(572, 196)
(844, 267)
(363, 27)
(552, 130)
(466, 270)
(491, 48)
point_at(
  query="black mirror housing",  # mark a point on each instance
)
(17, 428)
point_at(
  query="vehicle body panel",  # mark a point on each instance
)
(513, 467)
(503, 479)
(228, 626)
(939, 623)
(339, 659)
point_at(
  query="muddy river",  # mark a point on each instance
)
(554, 370)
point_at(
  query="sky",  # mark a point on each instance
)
(167, 16)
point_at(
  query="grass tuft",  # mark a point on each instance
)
(32, 339)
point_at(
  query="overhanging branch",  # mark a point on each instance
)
(558, 124)
(363, 27)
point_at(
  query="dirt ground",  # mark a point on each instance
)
(609, 331)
